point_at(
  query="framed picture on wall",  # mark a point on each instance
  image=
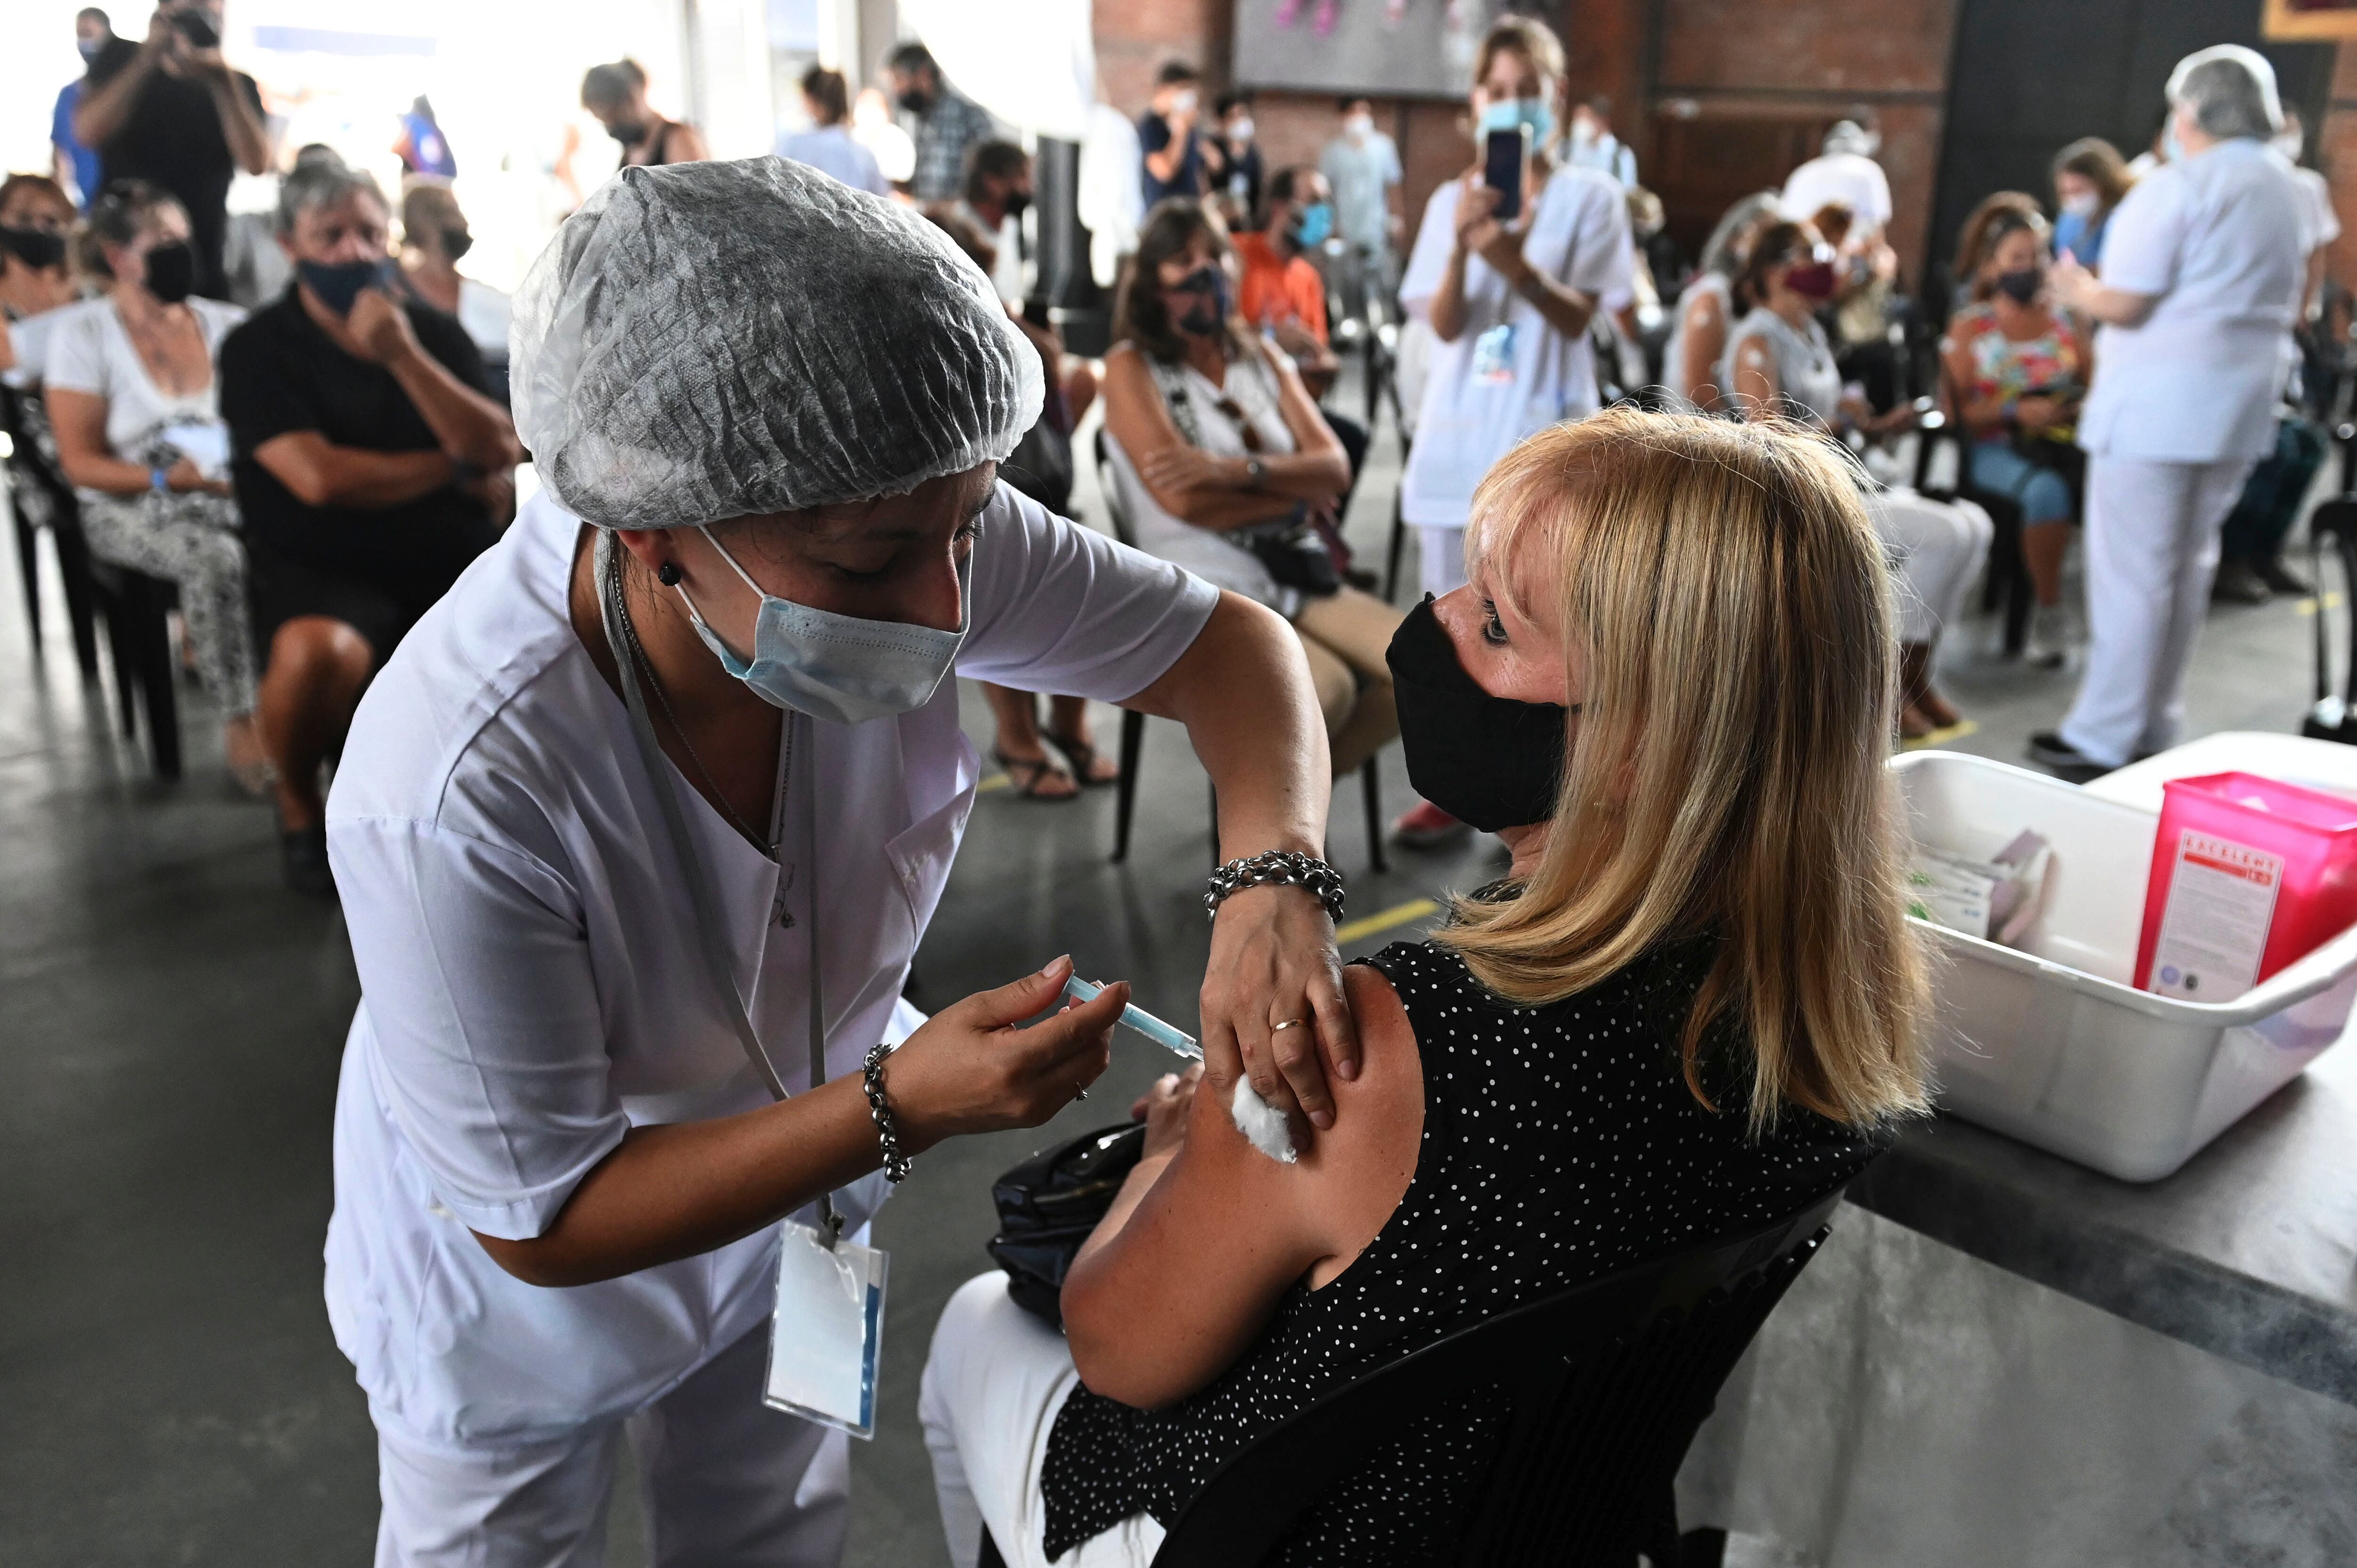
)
(2310, 19)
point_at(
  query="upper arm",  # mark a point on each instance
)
(1429, 257)
(1058, 608)
(488, 1036)
(1755, 376)
(1135, 416)
(1603, 256)
(2142, 242)
(1209, 1251)
(78, 420)
(1312, 435)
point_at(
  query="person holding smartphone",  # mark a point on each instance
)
(1511, 264)
(170, 110)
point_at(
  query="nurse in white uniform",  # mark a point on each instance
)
(638, 830)
(2202, 271)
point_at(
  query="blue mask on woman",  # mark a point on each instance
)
(835, 666)
(1509, 113)
(1315, 224)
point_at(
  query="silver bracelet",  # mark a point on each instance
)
(887, 1129)
(1283, 866)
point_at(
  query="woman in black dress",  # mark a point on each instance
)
(1691, 1006)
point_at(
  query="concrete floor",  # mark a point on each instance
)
(169, 1025)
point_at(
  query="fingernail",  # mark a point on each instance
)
(1348, 1072)
(1062, 958)
(1322, 1119)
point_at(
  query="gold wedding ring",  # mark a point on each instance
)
(1289, 1024)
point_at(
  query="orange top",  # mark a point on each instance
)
(1278, 288)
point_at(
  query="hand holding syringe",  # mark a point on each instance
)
(1262, 1124)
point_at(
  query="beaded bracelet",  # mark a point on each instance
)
(1283, 866)
(887, 1129)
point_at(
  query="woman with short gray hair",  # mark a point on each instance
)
(2201, 277)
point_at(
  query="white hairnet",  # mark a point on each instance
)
(707, 341)
(2231, 91)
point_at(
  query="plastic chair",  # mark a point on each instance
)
(40, 495)
(2008, 573)
(1609, 1383)
(1132, 723)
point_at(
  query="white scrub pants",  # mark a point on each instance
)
(2152, 550)
(1936, 548)
(726, 1482)
(994, 1382)
(1441, 554)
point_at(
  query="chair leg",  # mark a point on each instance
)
(81, 613)
(121, 651)
(1133, 741)
(1393, 552)
(1371, 785)
(156, 678)
(28, 564)
(989, 1557)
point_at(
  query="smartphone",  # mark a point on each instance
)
(1505, 156)
(198, 31)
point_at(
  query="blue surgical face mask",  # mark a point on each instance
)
(338, 284)
(834, 666)
(1316, 222)
(90, 49)
(1509, 113)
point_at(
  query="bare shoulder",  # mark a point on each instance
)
(1357, 1171)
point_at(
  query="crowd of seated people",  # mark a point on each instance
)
(308, 478)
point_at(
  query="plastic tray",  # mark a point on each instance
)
(2052, 1043)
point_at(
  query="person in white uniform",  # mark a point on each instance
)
(1843, 174)
(1510, 303)
(2203, 272)
(640, 827)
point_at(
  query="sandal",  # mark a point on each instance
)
(1025, 774)
(1083, 756)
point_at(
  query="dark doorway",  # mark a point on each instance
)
(2027, 76)
(1704, 163)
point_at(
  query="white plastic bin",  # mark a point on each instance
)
(2051, 1043)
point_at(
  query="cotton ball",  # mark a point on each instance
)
(1262, 1124)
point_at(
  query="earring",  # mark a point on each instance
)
(668, 574)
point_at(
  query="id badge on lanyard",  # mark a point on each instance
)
(828, 1329)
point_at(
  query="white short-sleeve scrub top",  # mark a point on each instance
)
(1508, 374)
(2217, 239)
(531, 986)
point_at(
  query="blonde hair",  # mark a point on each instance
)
(1528, 36)
(1726, 776)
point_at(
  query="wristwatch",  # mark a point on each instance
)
(1257, 471)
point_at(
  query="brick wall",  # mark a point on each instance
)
(1732, 60)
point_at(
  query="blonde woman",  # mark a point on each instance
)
(1627, 1045)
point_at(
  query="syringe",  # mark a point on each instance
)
(1171, 1039)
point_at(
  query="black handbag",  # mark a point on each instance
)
(1050, 1203)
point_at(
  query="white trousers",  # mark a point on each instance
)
(2152, 550)
(994, 1382)
(1440, 551)
(1936, 548)
(726, 1482)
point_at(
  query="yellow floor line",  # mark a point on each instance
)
(1956, 731)
(996, 781)
(1384, 921)
(2307, 606)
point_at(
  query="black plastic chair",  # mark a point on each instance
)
(2008, 582)
(32, 479)
(1608, 1382)
(1132, 723)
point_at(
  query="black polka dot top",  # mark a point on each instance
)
(1560, 1144)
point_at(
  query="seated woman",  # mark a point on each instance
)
(1707, 306)
(136, 410)
(37, 221)
(1213, 438)
(2018, 370)
(1780, 364)
(1628, 1045)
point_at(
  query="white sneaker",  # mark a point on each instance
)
(2049, 642)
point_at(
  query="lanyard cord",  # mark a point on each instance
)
(710, 927)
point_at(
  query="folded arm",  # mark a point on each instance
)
(1206, 1238)
(321, 473)
(1218, 493)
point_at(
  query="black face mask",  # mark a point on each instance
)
(338, 284)
(629, 133)
(172, 271)
(457, 242)
(2022, 286)
(1016, 202)
(1211, 306)
(1490, 761)
(916, 102)
(34, 247)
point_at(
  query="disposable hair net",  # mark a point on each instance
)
(707, 341)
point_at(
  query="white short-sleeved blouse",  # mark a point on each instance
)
(530, 984)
